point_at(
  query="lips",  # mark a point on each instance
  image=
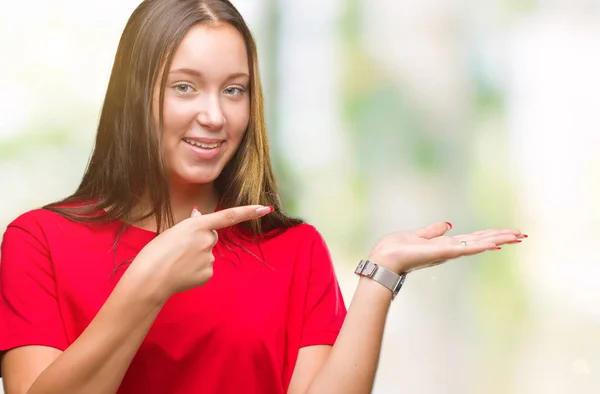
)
(205, 149)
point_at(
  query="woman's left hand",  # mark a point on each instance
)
(411, 250)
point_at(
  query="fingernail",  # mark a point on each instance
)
(524, 236)
(264, 210)
(449, 225)
(498, 248)
(518, 241)
(195, 208)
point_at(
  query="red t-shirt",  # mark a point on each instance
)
(239, 333)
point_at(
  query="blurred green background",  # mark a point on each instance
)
(386, 115)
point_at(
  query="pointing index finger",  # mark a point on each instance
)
(232, 216)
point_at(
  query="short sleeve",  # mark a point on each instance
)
(325, 310)
(29, 309)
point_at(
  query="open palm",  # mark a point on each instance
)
(411, 250)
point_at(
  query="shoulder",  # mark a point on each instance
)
(47, 226)
(303, 234)
(304, 230)
(45, 241)
(35, 220)
(304, 241)
(38, 220)
(29, 230)
(25, 246)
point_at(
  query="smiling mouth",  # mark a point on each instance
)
(202, 144)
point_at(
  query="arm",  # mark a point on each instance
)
(349, 367)
(97, 361)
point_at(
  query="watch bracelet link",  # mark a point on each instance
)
(381, 275)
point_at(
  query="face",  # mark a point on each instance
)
(206, 103)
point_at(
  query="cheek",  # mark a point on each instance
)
(237, 120)
(177, 113)
(174, 104)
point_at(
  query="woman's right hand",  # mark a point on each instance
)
(181, 258)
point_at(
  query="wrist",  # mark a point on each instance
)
(389, 264)
(143, 289)
(384, 277)
(371, 289)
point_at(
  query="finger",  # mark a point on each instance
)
(497, 240)
(232, 216)
(434, 230)
(448, 251)
(515, 231)
(502, 239)
(455, 247)
(471, 248)
(478, 235)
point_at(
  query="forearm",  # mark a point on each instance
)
(352, 364)
(97, 361)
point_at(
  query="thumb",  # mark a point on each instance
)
(434, 230)
(195, 212)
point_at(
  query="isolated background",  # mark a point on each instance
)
(386, 115)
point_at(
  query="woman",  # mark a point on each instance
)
(172, 268)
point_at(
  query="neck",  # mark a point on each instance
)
(183, 199)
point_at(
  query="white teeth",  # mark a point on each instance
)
(201, 145)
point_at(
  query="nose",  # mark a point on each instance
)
(210, 114)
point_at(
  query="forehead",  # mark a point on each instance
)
(212, 49)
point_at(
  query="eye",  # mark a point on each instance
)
(183, 88)
(234, 91)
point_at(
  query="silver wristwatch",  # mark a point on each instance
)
(381, 275)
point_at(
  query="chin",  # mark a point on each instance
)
(199, 180)
(195, 176)
(202, 178)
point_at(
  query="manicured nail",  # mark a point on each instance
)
(264, 210)
(195, 208)
(271, 209)
(498, 248)
(518, 241)
(524, 236)
(449, 225)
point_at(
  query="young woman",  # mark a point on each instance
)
(172, 268)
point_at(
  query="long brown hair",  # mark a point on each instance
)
(127, 163)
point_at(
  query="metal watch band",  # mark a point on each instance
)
(381, 275)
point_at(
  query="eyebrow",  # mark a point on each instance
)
(198, 74)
